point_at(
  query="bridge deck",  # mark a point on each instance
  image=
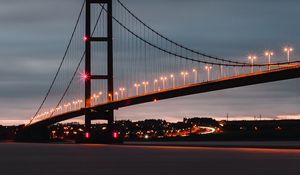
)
(224, 83)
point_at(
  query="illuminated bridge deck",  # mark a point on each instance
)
(224, 83)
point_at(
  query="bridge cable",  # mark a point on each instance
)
(192, 59)
(60, 65)
(77, 68)
(175, 43)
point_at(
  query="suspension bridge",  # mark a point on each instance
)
(114, 59)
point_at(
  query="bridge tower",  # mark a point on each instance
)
(108, 114)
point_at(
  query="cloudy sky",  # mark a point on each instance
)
(34, 34)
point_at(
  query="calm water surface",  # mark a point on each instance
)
(69, 159)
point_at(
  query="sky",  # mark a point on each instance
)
(34, 34)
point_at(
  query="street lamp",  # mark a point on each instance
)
(145, 83)
(173, 80)
(122, 89)
(208, 68)
(269, 54)
(288, 51)
(117, 95)
(58, 109)
(67, 107)
(75, 104)
(95, 98)
(184, 74)
(163, 79)
(79, 103)
(195, 75)
(110, 97)
(137, 85)
(100, 94)
(252, 58)
(221, 71)
(155, 83)
(92, 99)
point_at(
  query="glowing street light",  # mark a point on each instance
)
(66, 106)
(79, 103)
(195, 75)
(173, 80)
(221, 71)
(252, 58)
(163, 79)
(155, 84)
(288, 51)
(117, 95)
(58, 109)
(208, 68)
(269, 54)
(100, 93)
(95, 97)
(122, 89)
(110, 97)
(137, 86)
(75, 104)
(184, 74)
(145, 83)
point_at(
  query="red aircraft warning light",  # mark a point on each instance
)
(85, 38)
(84, 76)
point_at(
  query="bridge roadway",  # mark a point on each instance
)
(284, 73)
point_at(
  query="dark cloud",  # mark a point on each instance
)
(34, 34)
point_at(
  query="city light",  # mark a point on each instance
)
(115, 135)
(87, 135)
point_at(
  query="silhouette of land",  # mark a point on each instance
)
(190, 129)
(49, 159)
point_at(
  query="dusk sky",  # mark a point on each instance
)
(34, 35)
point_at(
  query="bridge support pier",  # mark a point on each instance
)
(109, 76)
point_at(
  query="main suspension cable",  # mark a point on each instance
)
(60, 65)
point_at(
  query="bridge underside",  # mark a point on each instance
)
(226, 83)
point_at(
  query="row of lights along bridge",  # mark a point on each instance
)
(158, 84)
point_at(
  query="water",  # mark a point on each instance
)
(44, 159)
